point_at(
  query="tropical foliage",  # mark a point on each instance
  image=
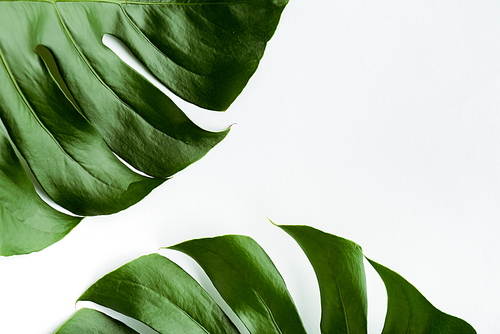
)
(69, 105)
(160, 294)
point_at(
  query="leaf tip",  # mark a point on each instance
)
(272, 222)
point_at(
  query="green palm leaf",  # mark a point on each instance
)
(155, 291)
(68, 103)
(248, 281)
(410, 312)
(338, 264)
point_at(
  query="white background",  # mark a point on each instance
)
(378, 121)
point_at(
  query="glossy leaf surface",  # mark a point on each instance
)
(157, 292)
(408, 311)
(338, 264)
(69, 103)
(88, 321)
(248, 281)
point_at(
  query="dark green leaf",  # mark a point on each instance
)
(248, 281)
(410, 312)
(27, 223)
(338, 264)
(157, 292)
(68, 102)
(68, 157)
(88, 321)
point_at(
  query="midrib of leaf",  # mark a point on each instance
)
(163, 297)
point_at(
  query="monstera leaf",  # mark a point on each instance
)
(69, 105)
(157, 292)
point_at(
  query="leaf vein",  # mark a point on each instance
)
(252, 286)
(120, 281)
